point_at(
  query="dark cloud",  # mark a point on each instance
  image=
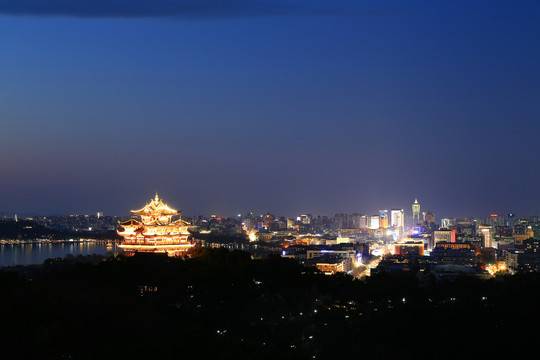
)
(183, 9)
(189, 9)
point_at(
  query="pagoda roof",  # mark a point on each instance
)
(130, 222)
(157, 222)
(182, 222)
(156, 207)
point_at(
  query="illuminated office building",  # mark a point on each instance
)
(364, 219)
(306, 219)
(290, 223)
(397, 218)
(444, 235)
(445, 222)
(383, 219)
(416, 212)
(485, 231)
(374, 222)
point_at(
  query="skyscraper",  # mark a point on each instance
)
(374, 222)
(364, 219)
(383, 219)
(485, 231)
(397, 218)
(415, 212)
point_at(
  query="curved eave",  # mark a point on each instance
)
(156, 208)
(143, 212)
(182, 222)
(130, 222)
(157, 222)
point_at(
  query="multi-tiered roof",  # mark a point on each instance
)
(156, 231)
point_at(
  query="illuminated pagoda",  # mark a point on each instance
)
(156, 232)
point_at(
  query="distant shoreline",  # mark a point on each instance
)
(50, 241)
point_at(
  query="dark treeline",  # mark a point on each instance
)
(225, 305)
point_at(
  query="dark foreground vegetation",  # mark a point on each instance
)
(224, 305)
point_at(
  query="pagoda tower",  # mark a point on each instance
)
(155, 232)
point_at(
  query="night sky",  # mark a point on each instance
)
(289, 107)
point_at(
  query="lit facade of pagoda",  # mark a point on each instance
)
(156, 232)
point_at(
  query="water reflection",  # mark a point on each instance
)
(37, 253)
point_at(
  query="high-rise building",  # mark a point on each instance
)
(355, 220)
(364, 219)
(445, 222)
(306, 219)
(445, 235)
(397, 218)
(290, 223)
(341, 221)
(383, 219)
(415, 212)
(485, 231)
(269, 221)
(466, 228)
(374, 222)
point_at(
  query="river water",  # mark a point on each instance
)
(37, 253)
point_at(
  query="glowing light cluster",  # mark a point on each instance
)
(494, 268)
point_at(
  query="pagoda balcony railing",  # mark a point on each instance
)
(153, 242)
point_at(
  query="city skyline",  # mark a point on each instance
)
(408, 214)
(291, 107)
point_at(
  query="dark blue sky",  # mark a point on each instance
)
(287, 107)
